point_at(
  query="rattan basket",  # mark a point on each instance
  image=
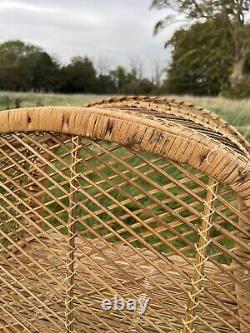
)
(144, 200)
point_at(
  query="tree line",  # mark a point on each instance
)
(210, 56)
(25, 67)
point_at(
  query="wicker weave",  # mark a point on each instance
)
(123, 198)
(174, 107)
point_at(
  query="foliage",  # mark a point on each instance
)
(42, 71)
(25, 67)
(202, 60)
(130, 83)
(230, 18)
(78, 76)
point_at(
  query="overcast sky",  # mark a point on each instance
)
(120, 30)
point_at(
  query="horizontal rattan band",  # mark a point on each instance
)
(174, 141)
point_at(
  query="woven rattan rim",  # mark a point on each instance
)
(170, 140)
(174, 106)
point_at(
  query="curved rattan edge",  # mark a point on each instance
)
(149, 110)
(180, 145)
(188, 110)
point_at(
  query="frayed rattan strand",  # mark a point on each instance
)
(70, 278)
(201, 258)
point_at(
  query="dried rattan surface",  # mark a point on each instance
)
(176, 108)
(165, 308)
(98, 202)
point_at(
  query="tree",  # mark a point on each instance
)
(157, 71)
(103, 65)
(119, 76)
(136, 67)
(43, 71)
(202, 60)
(13, 70)
(131, 82)
(79, 76)
(105, 84)
(232, 16)
(26, 67)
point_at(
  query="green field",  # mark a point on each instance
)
(235, 112)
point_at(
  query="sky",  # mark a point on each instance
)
(115, 31)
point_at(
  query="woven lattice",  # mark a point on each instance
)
(114, 200)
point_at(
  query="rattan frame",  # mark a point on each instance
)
(115, 120)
